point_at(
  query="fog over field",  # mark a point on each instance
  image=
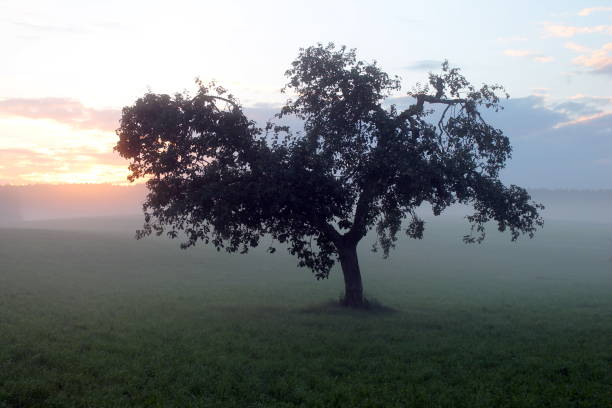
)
(89, 316)
(45, 202)
(39, 202)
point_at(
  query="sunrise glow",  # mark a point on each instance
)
(69, 67)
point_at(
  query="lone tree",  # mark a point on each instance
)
(214, 176)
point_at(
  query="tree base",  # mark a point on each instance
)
(356, 302)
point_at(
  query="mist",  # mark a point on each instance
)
(46, 202)
(19, 204)
(89, 314)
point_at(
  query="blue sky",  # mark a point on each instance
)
(68, 68)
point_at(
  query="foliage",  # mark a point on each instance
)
(357, 165)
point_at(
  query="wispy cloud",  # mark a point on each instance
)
(574, 109)
(540, 91)
(543, 59)
(588, 11)
(63, 110)
(518, 53)
(41, 26)
(515, 38)
(570, 139)
(577, 47)
(596, 100)
(598, 61)
(579, 107)
(424, 65)
(50, 28)
(584, 119)
(568, 31)
(533, 55)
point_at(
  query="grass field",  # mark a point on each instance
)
(90, 317)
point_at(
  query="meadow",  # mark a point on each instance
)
(90, 317)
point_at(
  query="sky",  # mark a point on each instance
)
(68, 67)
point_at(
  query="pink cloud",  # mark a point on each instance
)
(543, 59)
(533, 55)
(512, 39)
(576, 47)
(583, 119)
(63, 110)
(599, 60)
(81, 164)
(587, 11)
(598, 100)
(567, 31)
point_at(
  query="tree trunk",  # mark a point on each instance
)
(353, 289)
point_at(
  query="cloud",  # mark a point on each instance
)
(537, 114)
(579, 107)
(543, 59)
(567, 31)
(540, 91)
(83, 27)
(576, 108)
(598, 61)
(595, 100)
(51, 157)
(518, 53)
(515, 38)
(587, 11)
(63, 110)
(584, 119)
(50, 28)
(424, 65)
(524, 117)
(37, 150)
(533, 55)
(556, 146)
(576, 47)
(69, 165)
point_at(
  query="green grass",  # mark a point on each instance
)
(97, 319)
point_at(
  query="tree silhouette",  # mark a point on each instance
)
(356, 165)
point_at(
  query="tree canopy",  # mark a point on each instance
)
(356, 164)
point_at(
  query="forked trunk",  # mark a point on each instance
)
(353, 288)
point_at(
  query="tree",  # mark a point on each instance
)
(215, 177)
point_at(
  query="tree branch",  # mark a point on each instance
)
(329, 231)
(212, 97)
(358, 229)
(421, 99)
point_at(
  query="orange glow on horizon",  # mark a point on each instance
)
(43, 151)
(24, 172)
(94, 174)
